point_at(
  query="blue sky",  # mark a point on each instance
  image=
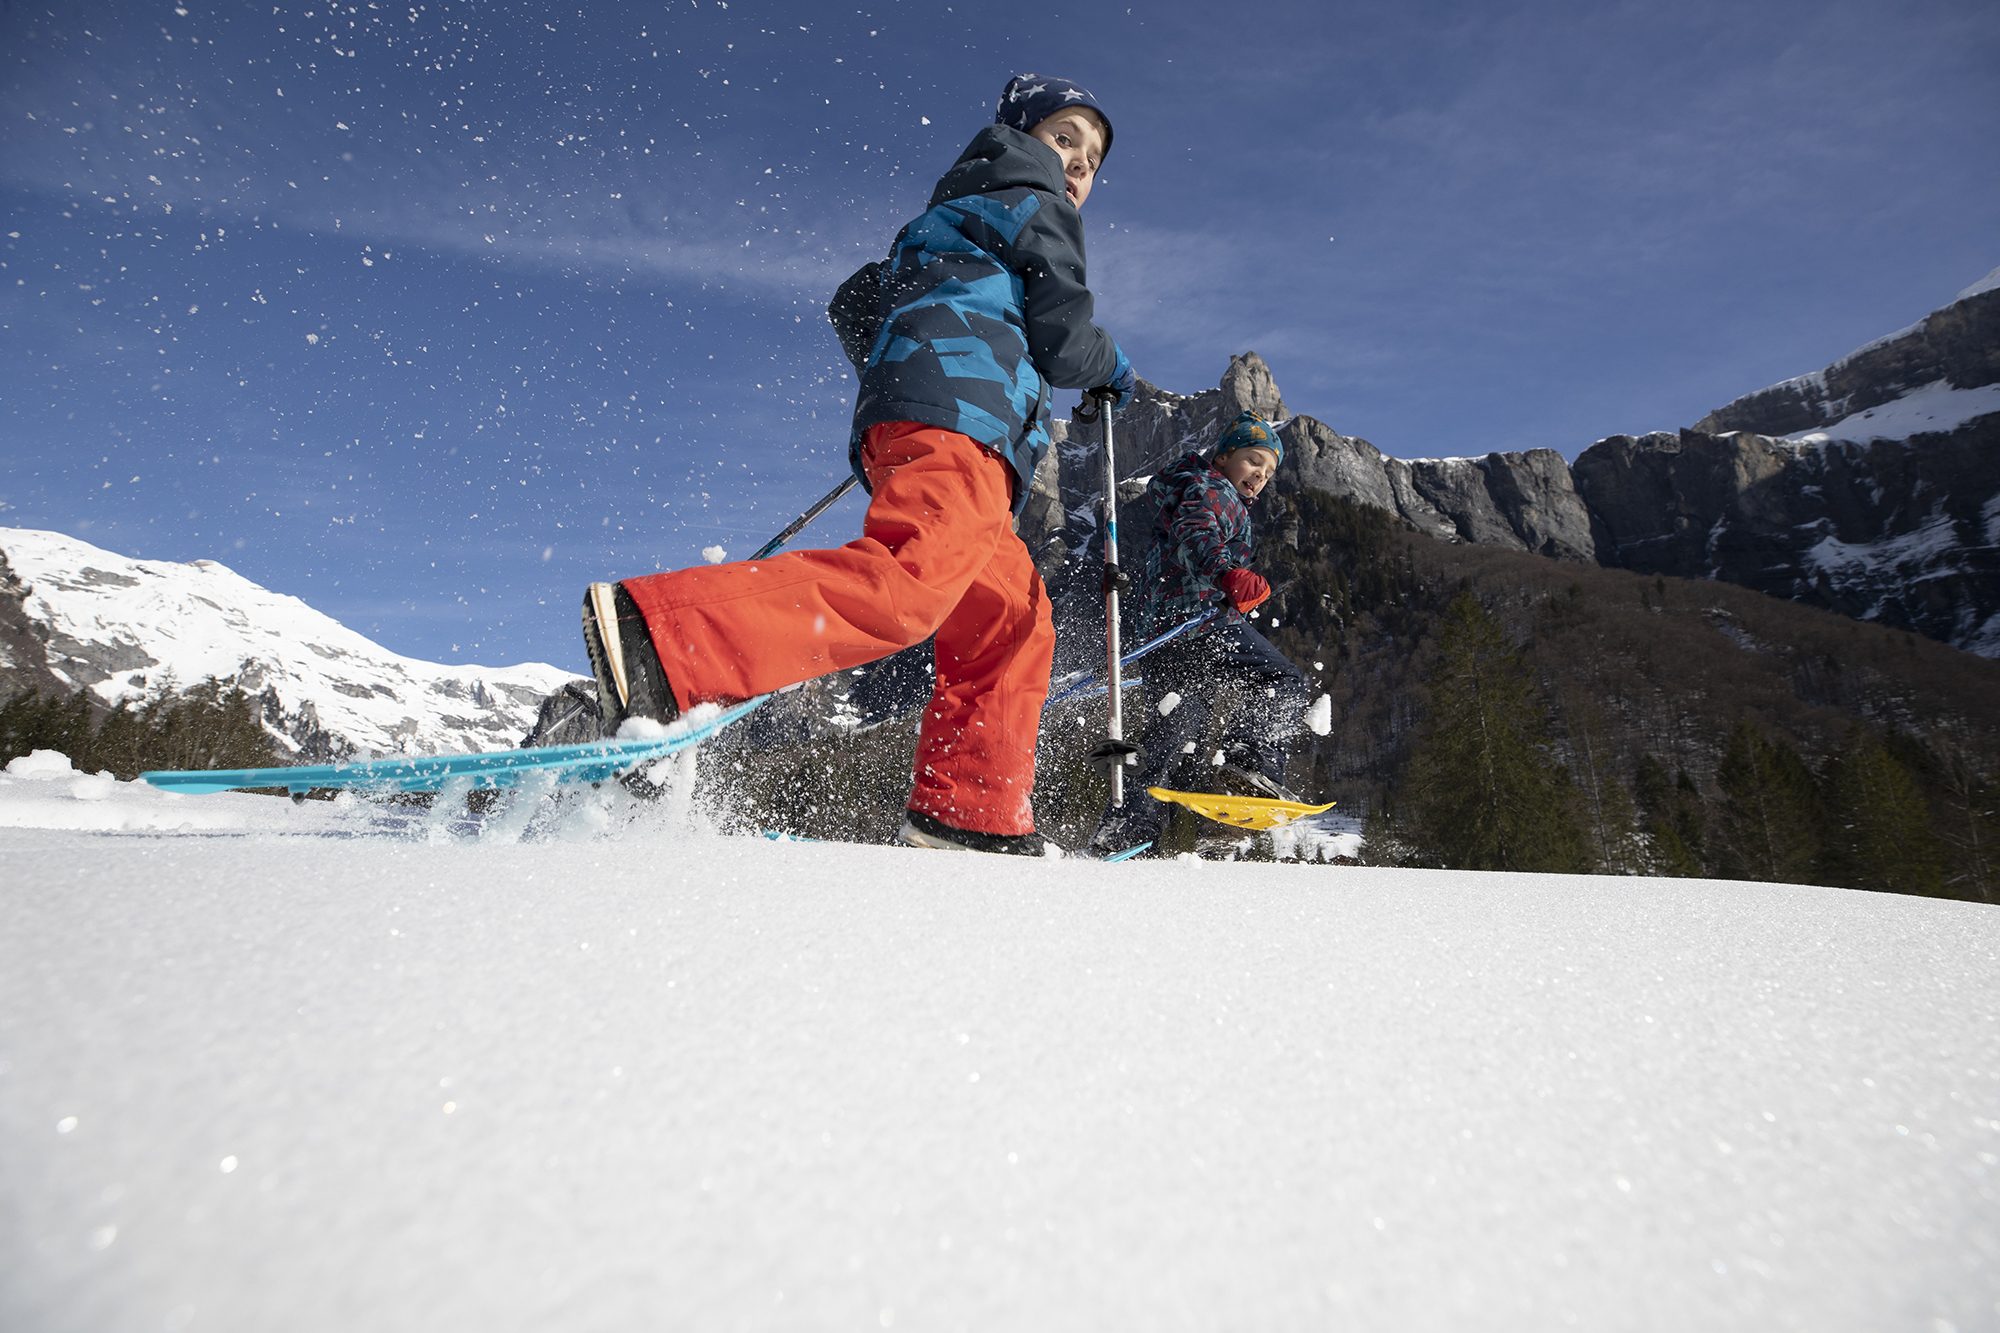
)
(429, 313)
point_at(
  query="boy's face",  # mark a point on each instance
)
(1079, 140)
(1249, 470)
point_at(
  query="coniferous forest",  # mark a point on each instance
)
(1498, 710)
(210, 725)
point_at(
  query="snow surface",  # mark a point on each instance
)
(1456, 461)
(301, 1075)
(1917, 549)
(1930, 408)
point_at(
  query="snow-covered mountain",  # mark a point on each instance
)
(121, 627)
(1934, 376)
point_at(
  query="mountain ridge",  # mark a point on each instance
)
(121, 627)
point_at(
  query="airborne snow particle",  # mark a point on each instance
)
(715, 555)
(1320, 716)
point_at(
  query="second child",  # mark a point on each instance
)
(1200, 563)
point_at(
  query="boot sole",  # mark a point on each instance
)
(912, 836)
(606, 651)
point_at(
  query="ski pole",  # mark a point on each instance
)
(1077, 683)
(1115, 753)
(798, 524)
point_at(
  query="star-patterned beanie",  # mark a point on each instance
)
(1030, 99)
(1249, 431)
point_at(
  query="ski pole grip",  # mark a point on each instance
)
(1091, 407)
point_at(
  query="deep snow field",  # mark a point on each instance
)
(266, 1066)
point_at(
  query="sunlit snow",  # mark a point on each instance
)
(284, 1071)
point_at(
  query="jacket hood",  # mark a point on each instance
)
(1176, 476)
(1000, 158)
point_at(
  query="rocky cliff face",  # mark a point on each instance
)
(1871, 488)
(1884, 504)
(1904, 532)
(24, 662)
(1524, 500)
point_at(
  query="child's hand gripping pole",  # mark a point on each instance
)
(1116, 753)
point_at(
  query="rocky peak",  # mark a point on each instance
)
(1248, 386)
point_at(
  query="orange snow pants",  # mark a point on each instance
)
(938, 555)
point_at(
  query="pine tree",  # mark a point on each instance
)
(1767, 827)
(18, 724)
(1882, 833)
(1482, 791)
(120, 743)
(1610, 820)
(1970, 825)
(1671, 813)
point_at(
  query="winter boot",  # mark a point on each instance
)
(1121, 831)
(1237, 781)
(920, 830)
(630, 680)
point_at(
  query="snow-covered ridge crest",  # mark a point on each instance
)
(121, 627)
(1948, 349)
(1986, 284)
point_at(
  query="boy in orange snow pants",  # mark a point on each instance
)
(980, 307)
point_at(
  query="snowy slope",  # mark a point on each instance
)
(1909, 382)
(121, 626)
(294, 1077)
(1929, 409)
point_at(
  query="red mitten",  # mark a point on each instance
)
(1246, 588)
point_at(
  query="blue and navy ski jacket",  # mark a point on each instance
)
(1201, 531)
(983, 307)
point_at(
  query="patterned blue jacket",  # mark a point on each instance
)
(1201, 531)
(982, 307)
